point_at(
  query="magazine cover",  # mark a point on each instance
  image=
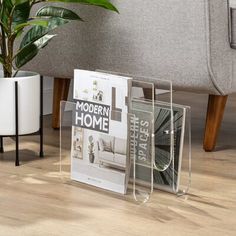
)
(169, 179)
(99, 154)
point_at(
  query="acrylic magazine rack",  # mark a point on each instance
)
(157, 134)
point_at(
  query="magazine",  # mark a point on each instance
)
(168, 179)
(100, 154)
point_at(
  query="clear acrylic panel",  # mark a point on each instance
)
(142, 163)
(108, 169)
(66, 116)
(186, 153)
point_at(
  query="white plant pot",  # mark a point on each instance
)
(28, 103)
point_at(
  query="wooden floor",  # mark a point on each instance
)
(34, 201)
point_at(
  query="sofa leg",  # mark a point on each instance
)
(60, 92)
(148, 93)
(215, 113)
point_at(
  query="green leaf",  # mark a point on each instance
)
(19, 33)
(5, 11)
(39, 31)
(100, 3)
(7, 6)
(51, 11)
(31, 50)
(1, 59)
(21, 13)
(18, 9)
(41, 22)
(18, 2)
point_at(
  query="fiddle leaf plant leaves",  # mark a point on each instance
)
(41, 22)
(1, 59)
(15, 17)
(28, 52)
(19, 8)
(52, 11)
(38, 31)
(5, 12)
(59, 16)
(100, 3)
(21, 12)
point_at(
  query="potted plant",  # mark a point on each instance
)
(17, 23)
(91, 149)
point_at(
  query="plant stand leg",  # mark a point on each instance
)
(17, 163)
(16, 125)
(41, 154)
(60, 92)
(1, 145)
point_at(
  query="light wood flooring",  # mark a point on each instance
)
(35, 202)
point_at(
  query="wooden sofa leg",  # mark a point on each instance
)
(60, 92)
(215, 113)
(147, 92)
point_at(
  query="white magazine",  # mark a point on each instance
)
(99, 154)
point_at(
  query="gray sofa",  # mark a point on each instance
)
(185, 41)
(115, 155)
